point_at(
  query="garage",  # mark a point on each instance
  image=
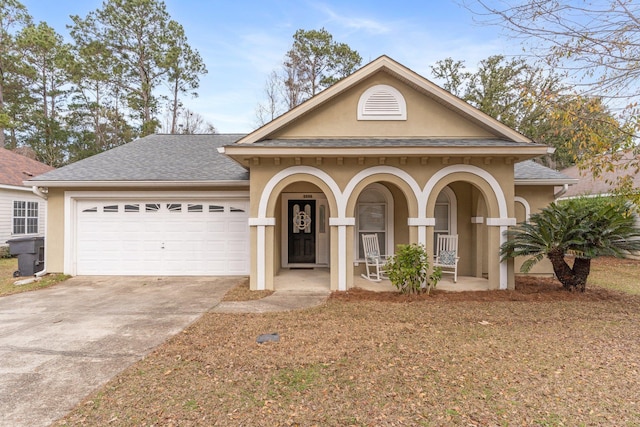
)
(172, 237)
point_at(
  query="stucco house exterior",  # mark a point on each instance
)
(382, 151)
(22, 213)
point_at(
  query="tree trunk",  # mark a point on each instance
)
(1, 107)
(174, 108)
(571, 278)
(581, 269)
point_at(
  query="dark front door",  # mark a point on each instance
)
(302, 231)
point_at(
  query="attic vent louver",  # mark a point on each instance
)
(382, 102)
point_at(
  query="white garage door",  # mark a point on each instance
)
(162, 237)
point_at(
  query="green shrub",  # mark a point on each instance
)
(4, 252)
(408, 270)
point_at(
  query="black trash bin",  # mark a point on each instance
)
(30, 251)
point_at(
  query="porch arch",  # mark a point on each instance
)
(315, 176)
(488, 185)
(525, 204)
(400, 178)
(265, 221)
(497, 209)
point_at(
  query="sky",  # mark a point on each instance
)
(241, 42)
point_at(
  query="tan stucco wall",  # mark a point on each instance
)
(468, 187)
(426, 118)
(538, 198)
(55, 223)
(54, 243)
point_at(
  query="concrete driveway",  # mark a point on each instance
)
(57, 345)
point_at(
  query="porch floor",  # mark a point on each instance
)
(317, 279)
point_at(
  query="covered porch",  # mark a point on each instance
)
(319, 279)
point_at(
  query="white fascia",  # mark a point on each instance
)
(14, 188)
(479, 151)
(130, 184)
(568, 181)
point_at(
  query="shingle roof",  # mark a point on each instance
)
(158, 158)
(606, 182)
(15, 168)
(196, 158)
(386, 142)
(529, 169)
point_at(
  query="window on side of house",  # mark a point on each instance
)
(372, 217)
(25, 217)
(442, 216)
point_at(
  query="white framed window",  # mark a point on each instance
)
(445, 213)
(25, 217)
(374, 215)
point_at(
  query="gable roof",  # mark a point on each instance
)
(154, 160)
(15, 168)
(384, 63)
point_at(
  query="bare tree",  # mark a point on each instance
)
(597, 45)
(185, 122)
(272, 106)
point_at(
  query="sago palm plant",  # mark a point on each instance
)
(583, 228)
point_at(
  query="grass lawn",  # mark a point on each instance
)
(617, 274)
(535, 356)
(7, 287)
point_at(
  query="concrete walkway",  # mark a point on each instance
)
(280, 300)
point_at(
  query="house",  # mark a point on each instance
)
(604, 184)
(22, 212)
(382, 151)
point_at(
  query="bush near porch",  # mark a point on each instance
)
(534, 356)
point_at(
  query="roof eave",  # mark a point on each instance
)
(262, 151)
(545, 181)
(14, 187)
(355, 151)
(131, 184)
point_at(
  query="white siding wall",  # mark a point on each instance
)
(6, 213)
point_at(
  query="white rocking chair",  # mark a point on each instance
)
(374, 260)
(447, 255)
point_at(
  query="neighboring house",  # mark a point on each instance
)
(382, 151)
(22, 213)
(604, 184)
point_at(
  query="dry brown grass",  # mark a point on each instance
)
(534, 356)
(7, 281)
(243, 293)
(618, 274)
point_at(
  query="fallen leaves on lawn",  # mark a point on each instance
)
(536, 356)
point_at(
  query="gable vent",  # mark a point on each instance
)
(382, 102)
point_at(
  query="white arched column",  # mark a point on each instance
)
(261, 222)
(502, 221)
(525, 204)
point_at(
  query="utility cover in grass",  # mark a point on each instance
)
(274, 337)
